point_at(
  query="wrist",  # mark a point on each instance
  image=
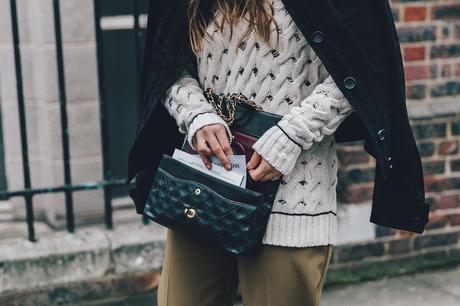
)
(278, 149)
(202, 120)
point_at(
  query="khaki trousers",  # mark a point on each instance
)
(197, 274)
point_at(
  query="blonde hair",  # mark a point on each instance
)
(255, 12)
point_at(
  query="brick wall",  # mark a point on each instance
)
(429, 32)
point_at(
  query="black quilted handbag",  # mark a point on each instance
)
(190, 201)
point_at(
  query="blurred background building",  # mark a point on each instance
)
(69, 77)
(120, 45)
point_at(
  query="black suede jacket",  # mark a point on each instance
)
(358, 44)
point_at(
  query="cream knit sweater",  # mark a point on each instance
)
(289, 80)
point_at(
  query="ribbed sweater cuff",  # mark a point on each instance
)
(301, 230)
(278, 149)
(202, 120)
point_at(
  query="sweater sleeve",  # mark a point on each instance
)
(318, 115)
(187, 104)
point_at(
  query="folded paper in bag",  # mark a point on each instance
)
(235, 176)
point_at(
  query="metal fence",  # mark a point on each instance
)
(108, 183)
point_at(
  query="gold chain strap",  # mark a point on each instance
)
(230, 104)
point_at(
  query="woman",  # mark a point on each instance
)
(255, 48)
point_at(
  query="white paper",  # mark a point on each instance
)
(194, 160)
(238, 165)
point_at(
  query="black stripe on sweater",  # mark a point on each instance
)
(310, 215)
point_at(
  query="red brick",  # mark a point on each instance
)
(415, 13)
(358, 193)
(347, 157)
(434, 167)
(448, 147)
(404, 234)
(436, 184)
(418, 72)
(456, 69)
(416, 92)
(446, 70)
(399, 246)
(457, 31)
(353, 252)
(429, 241)
(383, 231)
(437, 222)
(454, 219)
(414, 53)
(447, 201)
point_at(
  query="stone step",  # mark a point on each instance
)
(19, 229)
(6, 207)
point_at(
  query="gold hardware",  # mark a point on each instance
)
(230, 105)
(190, 213)
(197, 191)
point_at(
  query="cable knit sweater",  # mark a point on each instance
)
(290, 80)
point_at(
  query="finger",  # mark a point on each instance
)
(267, 170)
(218, 151)
(266, 166)
(202, 146)
(258, 173)
(206, 161)
(269, 175)
(194, 141)
(254, 161)
(223, 140)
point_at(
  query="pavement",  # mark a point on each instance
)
(436, 288)
(439, 288)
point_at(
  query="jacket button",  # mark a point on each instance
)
(349, 82)
(381, 134)
(318, 36)
(390, 165)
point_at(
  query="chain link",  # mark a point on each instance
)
(226, 104)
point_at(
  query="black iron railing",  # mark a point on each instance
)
(108, 183)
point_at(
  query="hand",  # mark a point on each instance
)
(213, 140)
(260, 169)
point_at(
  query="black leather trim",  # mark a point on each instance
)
(253, 123)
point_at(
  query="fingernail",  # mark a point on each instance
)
(227, 166)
